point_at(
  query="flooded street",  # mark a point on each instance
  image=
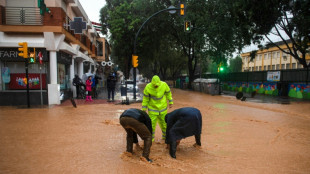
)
(237, 137)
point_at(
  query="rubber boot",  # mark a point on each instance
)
(173, 149)
(90, 99)
(87, 98)
(197, 138)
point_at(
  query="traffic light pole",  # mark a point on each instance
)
(135, 43)
(27, 81)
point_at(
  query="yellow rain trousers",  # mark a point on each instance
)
(155, 101)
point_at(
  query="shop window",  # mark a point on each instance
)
(63, 76)
(15, 76)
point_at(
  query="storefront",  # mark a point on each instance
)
(64, 62)
(13, 83)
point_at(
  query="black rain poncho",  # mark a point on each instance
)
(139, 115)
(182, 123)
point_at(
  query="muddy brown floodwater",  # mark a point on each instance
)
(237, 137)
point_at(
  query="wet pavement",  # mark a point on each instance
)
(237, 137)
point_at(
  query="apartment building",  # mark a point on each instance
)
(64, 52)
(270, 59)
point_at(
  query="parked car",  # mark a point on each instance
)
(130, 86)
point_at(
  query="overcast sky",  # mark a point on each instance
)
(92, 8)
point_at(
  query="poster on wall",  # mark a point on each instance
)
(19, 81)
(273, 76)
(61, 75)
(6, 75)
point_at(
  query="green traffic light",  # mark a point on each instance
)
(31, 60)
(221, 69)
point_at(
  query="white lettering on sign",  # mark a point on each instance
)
(9, 54)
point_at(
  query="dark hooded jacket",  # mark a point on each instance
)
(182, 123)
(139, 115)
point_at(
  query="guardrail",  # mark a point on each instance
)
(23, 16)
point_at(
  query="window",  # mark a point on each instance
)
(256, 68)
(283, 66)
(300, 65)
(285, 56)
(265, 68)
(260, 57)
(273, 67)
(260, 68)
(293, 65)
(274, 56)
(287, 66)
(278, 67)
(266, 56)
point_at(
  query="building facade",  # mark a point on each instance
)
(270, 59)
(63, 52)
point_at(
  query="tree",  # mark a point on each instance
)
(235, 64)
(289, 20)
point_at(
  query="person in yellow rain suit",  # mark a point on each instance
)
(155, 96)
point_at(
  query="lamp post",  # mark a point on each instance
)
(171, 10)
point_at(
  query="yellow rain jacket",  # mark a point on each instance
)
(155, 99)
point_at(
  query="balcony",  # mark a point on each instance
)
(23, 16)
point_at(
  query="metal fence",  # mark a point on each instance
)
(23, 16)
(292, 75)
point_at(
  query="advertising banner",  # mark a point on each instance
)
(273, 76)
(18, 81)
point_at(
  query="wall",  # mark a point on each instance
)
(295, 90)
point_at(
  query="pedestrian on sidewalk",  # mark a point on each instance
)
(155, 96)
(88, 88)
(111, 82)
(77, 82)
(94, 86)
(182, 123)
(135, 121)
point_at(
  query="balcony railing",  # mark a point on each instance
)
(23, 16)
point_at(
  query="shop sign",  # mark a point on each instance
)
(11, 54)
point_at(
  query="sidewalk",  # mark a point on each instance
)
(103, 97)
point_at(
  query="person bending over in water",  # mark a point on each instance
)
(135, 121)
(182, 123)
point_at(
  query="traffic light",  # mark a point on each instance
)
(220, 68)
(187, 26)
(32, 56)
(135, 61)
(23, 50)
(182, 10)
